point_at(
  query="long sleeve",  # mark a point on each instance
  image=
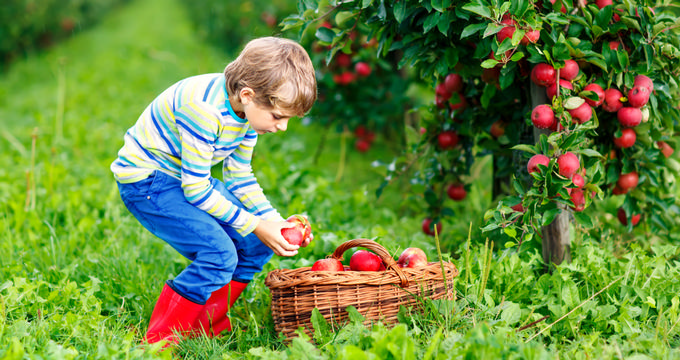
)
(198, 125)
(239, 179)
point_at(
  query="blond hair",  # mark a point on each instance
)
(278, 70)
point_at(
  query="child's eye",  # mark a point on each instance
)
(276, 117)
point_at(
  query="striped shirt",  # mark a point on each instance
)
(184, 132)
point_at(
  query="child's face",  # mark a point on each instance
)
(264, 120)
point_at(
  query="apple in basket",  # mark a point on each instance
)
(364, 260)
(328, 265)
(412, 257)
(302, 229)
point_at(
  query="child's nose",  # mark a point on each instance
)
(282, 125)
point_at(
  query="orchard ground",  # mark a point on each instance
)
(80, 276)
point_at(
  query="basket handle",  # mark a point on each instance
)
(378, 249)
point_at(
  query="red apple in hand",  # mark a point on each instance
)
(296, 234)
(412, 257)
(364, 260)
(328, 265)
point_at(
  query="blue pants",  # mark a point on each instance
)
(218, 253)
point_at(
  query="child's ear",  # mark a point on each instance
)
(246, 95)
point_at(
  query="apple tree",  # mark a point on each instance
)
(360, 94)
(577, 102)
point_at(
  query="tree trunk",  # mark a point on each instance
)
(555, 236)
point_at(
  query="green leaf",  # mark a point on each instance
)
(489, 63)
(549, 216)
(478, 9)
(471, 30)
(631, 23)
(342, 17)
(366, 3)
(511, 232)
(354, 315)
(487, 95)
(492, 29)
(622, 56)
(431, 21)
(528, 148)
(400, 11)
(588, 152)
(583, 219)
(319, 323)
(325, 35)
(436, 4)
(573, 102)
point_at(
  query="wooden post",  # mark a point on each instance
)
(555, 236)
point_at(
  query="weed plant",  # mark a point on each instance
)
(79, 276)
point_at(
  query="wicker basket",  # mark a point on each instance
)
(377, 295)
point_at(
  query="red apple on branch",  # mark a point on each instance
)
(629, 116)
(447, 139)
(456, 192)
(453, 83)
(628, 181)
(538, 159)
(597, 89)
(568, 164)
(543, 74)
(570, 70)
(612, 100)
(638, 96)
(428, 229)
(623, 217)
(666, 149)
(543, 116)
(626, 140)
(362, 69)
(582, 113)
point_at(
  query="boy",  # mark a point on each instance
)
(228, 229)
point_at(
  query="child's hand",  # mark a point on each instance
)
(269, 232)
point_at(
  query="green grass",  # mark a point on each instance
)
(79, 276)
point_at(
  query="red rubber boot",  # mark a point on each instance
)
(172, 316)
(213, 318)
